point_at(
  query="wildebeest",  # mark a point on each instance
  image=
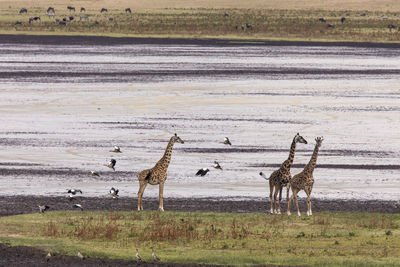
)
(342, 19)
(18, 22)
(65, 19)
(128, 10)
(84, 16)
(71, 18)
(391, 26)
(51, 10)
(33, 19)
(322, 19)
(110, 19)
(64, 23)
(83, 9)
(103, 10)
(330, 26)
(23, 10)
(71, 8)
(248, 26)
(50, 14)
(226, 14)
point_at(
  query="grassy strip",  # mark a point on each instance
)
(325, 239)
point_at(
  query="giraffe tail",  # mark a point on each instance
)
(263, 176)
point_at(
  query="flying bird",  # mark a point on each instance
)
(116, 149)
(217, 166)
(111, 164)
(78, 206)
(226, 141)
(74, 191)
(264, 176)
(114, 192)
(202, 172)
(138, 258)
(154, 255)
(43, 208)
(94, 173)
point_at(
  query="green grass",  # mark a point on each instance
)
(266, 24)
(325, 239)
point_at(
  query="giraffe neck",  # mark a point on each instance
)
(289, 162)
(166, 158)
(313, 161)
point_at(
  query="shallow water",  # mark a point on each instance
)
(63, 107)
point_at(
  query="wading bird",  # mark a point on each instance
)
(217, 166)
(78, 206)
(80, 255)
(226, 141)
(74, 191)
(138, 258)
(111, 164)
(114, 192)
(116, 149)
(94, 173)
(154, 255)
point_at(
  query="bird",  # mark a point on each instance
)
(217, 166)
(80, 255)
(78, 206)
(138, 258)
(74, 191)
(111, 164)
(114, 192)
(70, 197)
(43, 208)
(226, 141)
(116, 149)
(94, 173)
(48, 256)
(263, 176)
(154, 255)
(202, 172)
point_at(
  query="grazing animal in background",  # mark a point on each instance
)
(71, 18)
(116, 149)
(281, 177)
(78, 206)
(111, 164)
(110, 19)
(322, 20)
(63, 23)
(84, 16)
(103, 10)
(305, 180)
(23, 10)
(330, 26)
(71, 8)
(83, 9)
(217, 166)
(138, 258)
(363, 14)
(153, 254)
(65, 19)
(384, 17)
(51, 10)
(43, 208)
(32, 19)
(128, 10)
(18, 22)
(74, 191)
(236, 27)
(226, 141)
(226, 14)
(343, 19)
(391, 26)
(202, 172)
(80, 255)
(248, 26)
(114, 193)
(50, 14)
(157, 174)
(94, 173)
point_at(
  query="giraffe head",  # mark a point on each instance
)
(299, 139)
(178, 139)
(319, 141)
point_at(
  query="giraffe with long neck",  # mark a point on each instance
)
(282, 176)
(157, 174)
(305, 180)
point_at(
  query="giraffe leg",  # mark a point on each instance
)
(271, 190)
(280, 199)
(308, 192)
(289, 205)
(140, 195)
(297, 202)
(160, 195)
(275, 197)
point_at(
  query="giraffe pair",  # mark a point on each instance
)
(302, 181)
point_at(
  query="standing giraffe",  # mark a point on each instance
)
(282, 176)
(157, 174)
(305, 180)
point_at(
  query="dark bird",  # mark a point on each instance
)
(138, 258)
(23, 10)
(128, 10)
(43, 208)
(78, 206)
(226, 141)
(263, 176)
(80, 255)
(94, 173)
(202, 172)
(116, 149)
(74, 191)
(217, 166)
(154, 255)
(114, 192)
(111, 164)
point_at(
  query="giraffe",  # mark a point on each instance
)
(157, 174)
(281, 177)
(305, 180)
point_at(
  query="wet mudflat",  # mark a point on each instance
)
(65, 102)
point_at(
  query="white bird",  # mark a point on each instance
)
(74, 191)
(94, 173)
(78, 206)
(226, 141)
(43, 208)
(154, 255)
(264, 176)
(111, 164)
(80, 255)
(202, 172)
(116, 149)
(217, 166)
(114, 192)
(138, 258)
